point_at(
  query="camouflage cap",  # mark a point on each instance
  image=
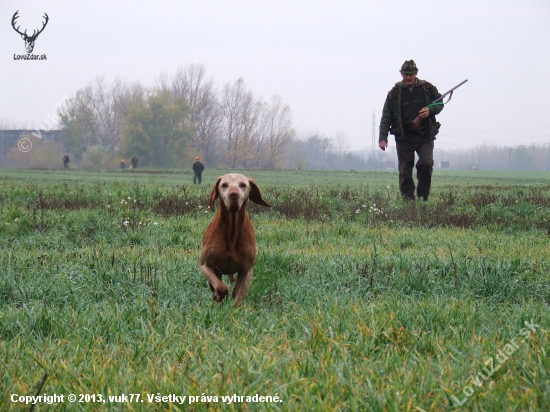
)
(409, 67)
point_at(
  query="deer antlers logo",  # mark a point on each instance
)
(29, 40)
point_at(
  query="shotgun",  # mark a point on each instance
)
(416, 122)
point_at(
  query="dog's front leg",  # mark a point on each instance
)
(219, 289)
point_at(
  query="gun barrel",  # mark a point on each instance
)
(450, 91)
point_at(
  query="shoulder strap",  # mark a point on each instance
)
(394, 92)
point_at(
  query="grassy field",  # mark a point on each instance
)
(360, 301)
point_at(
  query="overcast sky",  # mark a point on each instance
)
(333, 62)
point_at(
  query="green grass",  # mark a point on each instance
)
(373, 179)
(352, 307)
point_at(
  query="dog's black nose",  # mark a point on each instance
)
(233, 195)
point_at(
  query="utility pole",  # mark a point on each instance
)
(510, 159)
(373, 134)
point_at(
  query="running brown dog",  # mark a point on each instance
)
(229, 243)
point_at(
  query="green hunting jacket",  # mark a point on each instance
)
(391, 114)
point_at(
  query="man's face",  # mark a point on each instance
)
(409, 79)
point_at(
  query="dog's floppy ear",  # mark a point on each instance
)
(255, 194)
(214, 195)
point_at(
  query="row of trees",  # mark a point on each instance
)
(181, 116)
(96, 115)
(233, 127)
(315, 151)
(496, 157)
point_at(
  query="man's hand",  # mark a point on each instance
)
(424, 113)
(383, 145)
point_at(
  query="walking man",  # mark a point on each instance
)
(134, 161)
(66, 160)
(198, 167)
(414, 126)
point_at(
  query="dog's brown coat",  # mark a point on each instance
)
(229, 243)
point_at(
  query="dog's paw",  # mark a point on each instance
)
(220, 295)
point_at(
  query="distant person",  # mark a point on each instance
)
(198, 167)
(66, 160)
(122, 164)
(134, 161)
(406, 116)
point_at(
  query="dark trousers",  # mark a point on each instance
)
(424, 167)
(197, 176)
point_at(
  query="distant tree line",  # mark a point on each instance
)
(187, 115)
(181, 117)
(313, 151)
(496, 157)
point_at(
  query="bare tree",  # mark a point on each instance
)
(341, 146)
(188, 82)
(207, 115)
(279, 133)
(249, 116)
(108, 134)
(126, 95)
(162, 84)
(239, 122)
(96, 114)
(123, 97)
(79, 120)
(191, 84)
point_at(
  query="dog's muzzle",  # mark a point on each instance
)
(233, 206)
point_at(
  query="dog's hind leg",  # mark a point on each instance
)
(241, 286)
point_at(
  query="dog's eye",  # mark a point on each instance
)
(242, 185)
(225, 185)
